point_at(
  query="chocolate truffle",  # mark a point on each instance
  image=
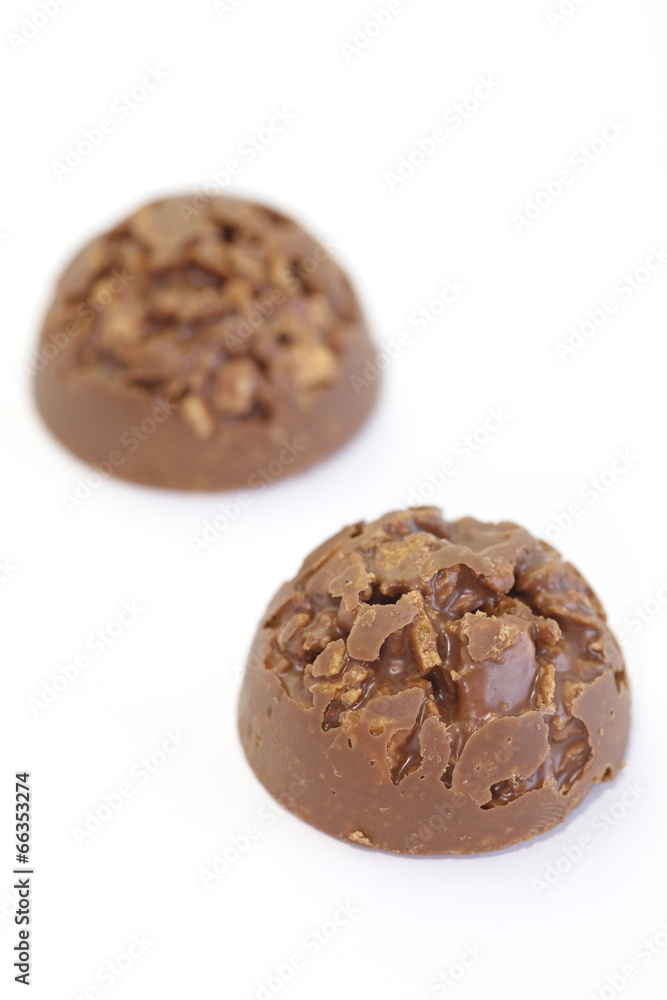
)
(204, 348)
(434, 687)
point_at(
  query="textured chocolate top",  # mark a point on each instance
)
(223, 311)
(494, 630)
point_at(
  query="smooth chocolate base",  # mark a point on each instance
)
(348, 797)
(97, 421)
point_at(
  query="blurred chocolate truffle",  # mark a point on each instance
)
(204, 344)
(434, 687)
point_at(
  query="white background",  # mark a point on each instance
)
(177, 667)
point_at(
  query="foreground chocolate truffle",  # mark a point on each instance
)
(434, 687)
(204, 348)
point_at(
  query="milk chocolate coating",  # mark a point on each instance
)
(225, 334)
(434, 687)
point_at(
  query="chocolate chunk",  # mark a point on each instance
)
(232, 321)
(500, 749)
(375, 623)
(447, 687)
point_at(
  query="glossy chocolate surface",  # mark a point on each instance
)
(448, 687)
